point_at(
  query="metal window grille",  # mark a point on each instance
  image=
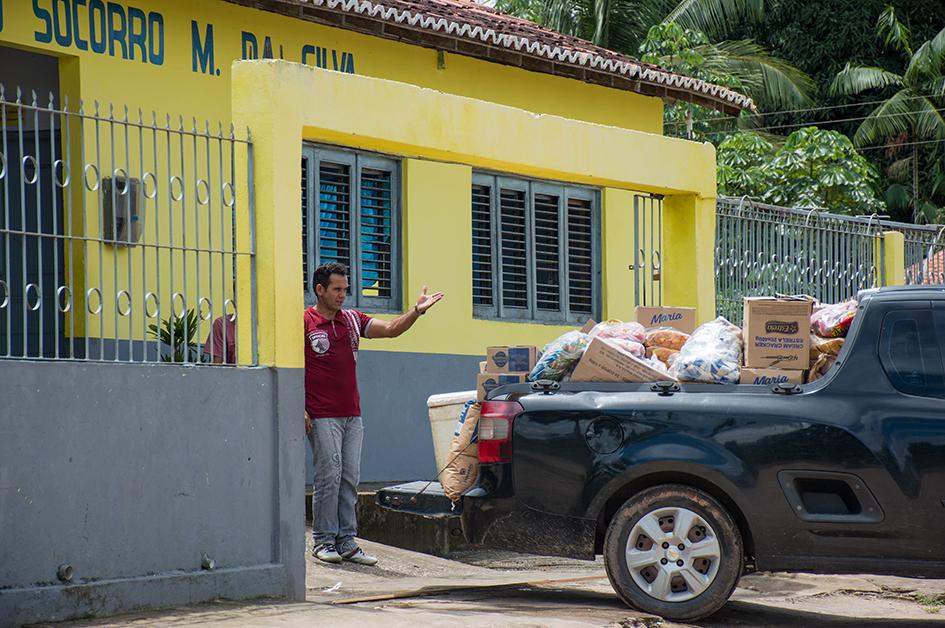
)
(535, 250)
(351, 215)
(118, 234)
(483, 249)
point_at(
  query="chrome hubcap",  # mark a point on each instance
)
(673, 554)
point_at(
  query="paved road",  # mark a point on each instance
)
(561, 594)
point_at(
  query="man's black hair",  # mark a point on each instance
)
(322, 274)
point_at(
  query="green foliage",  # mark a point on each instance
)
(680, 35)
(813, 169)
(743, 165)
(180, 336)
(785, 54)
(894, 33)
(741, 65)
(911, 114)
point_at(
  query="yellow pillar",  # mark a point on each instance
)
(617, 228)
(688, 255)
(276, 122)
(893, 258)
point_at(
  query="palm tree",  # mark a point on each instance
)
(912, 113)
(625, 25)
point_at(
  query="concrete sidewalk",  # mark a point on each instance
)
(570, 593)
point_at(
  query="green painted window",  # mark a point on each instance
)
(535, 250)
(351, 214)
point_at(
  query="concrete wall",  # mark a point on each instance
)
(131, 473)
(398, 444)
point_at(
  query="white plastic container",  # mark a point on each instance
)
(444, 410)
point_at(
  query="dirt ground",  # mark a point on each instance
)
(498, 589)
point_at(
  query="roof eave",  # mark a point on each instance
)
(481, 50)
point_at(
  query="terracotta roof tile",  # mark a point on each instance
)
(465, 27)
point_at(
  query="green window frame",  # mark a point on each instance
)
(351, 213)
(536, 252)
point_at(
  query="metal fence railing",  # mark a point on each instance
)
(924, 253)
(118, 235)
(767, 250)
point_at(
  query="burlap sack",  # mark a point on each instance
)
(463, 462)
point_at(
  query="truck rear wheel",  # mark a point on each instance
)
(673, 551)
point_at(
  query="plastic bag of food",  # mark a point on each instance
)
(664, 355)
(665, 337)
(622, 331)
(712, 355)
(824, 346)
(833, 321)
(820, 367)
(657, 364)
(630, 346)
(560, 356)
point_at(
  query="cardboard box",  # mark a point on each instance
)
(509, 359)
(482, 366)
(588, 326)
(770, 377)
(604, 362)
(487, 381)
(777, 333)
(681, 318)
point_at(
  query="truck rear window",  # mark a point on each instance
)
(910, 355)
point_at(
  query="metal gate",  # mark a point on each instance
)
(767, 250)
(647, 247)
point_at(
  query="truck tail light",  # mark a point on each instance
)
(495, 430)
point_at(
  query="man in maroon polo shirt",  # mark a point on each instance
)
(333, 407)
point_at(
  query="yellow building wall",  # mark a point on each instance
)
(442, 138)
(173, 58)
(193, 76)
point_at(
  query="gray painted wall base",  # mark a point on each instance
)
(130, 473)
(398, 444)
(110, 597)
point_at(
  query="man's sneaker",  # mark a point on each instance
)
(326, 552)
(358, 556)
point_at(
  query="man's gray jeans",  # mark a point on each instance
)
(336, 446)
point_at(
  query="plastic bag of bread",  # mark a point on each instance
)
(712, 355)
(833, 321)
(630, 346)
(820, 367)
(824, 346)
(616, 329)
(664, 355)
(665, 337)
(559, 356)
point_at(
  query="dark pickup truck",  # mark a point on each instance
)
(683, 488)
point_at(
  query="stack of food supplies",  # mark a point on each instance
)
(829, 325)
(616, 352)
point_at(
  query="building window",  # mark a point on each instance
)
(535, 250)
(351, 214)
